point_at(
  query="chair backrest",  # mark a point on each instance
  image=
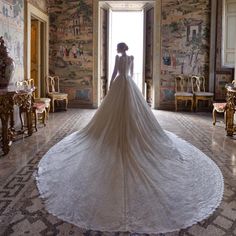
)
(182, 84)
(198, 83)
(52, 83)
(30, 83)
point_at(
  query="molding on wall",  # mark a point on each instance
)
(39, 8)
(212, 58)
(96, 37)
(157, 55)
(32, 11)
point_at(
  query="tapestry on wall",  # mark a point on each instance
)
(71, 48)
(185, 42)
(12, 30)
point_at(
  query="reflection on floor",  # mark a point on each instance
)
(22, 211)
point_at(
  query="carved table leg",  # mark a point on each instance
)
(29, 122)
(230, 109)
(5, 136)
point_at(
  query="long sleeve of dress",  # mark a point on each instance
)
(132, 67)
(115, 69)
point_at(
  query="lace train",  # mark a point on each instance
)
(122, 172)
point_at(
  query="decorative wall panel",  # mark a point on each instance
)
(185, 43)
(71, 48)
(12, 30)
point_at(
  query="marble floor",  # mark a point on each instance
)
(22, 211)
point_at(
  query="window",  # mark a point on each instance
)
(229, 33)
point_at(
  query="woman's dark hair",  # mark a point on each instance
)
(122, 46)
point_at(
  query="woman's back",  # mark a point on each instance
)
(125, 65)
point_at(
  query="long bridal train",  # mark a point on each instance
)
(122, 172)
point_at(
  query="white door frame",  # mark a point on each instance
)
(33, 12)
(156, 52)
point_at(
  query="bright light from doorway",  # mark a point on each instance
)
(128, 27)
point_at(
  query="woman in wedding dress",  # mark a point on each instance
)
(122, 172)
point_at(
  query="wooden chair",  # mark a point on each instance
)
(199, 91)
(37, 107)
(53, 91)
(182, 91)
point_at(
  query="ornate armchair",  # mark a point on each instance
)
(37, 107)
(53, 91)
(220, 107)
(182, 91)
(45, 101)
(199, 91)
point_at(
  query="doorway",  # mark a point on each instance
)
(36, 55)
(150, 85)
(37, 48)
(127, 26)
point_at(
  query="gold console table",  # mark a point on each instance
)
(8, 99)
(230, 109)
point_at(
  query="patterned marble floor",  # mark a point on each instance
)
(22, 211)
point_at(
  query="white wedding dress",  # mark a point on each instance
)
(122, 172)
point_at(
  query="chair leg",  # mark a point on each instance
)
(48, 110)
(52, 105)
(191, 105)
(66, 104)
(176, 104)
(186, 103)
(196, 104)
(214, 116)
(36, 120)
(44, 117)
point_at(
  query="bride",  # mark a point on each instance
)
(122, 172)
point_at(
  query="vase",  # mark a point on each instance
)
(7, 71)
(7, 66)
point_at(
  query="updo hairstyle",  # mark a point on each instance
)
(122, 46)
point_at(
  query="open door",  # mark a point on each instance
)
(35, 55)
(148, 52)
(150, 85)
(37, 48)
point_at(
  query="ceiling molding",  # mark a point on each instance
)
(128, 5)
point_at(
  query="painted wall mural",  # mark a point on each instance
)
(220, 82)
(71, 48)
(185, 43)
(12, 30)
(41, 4)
